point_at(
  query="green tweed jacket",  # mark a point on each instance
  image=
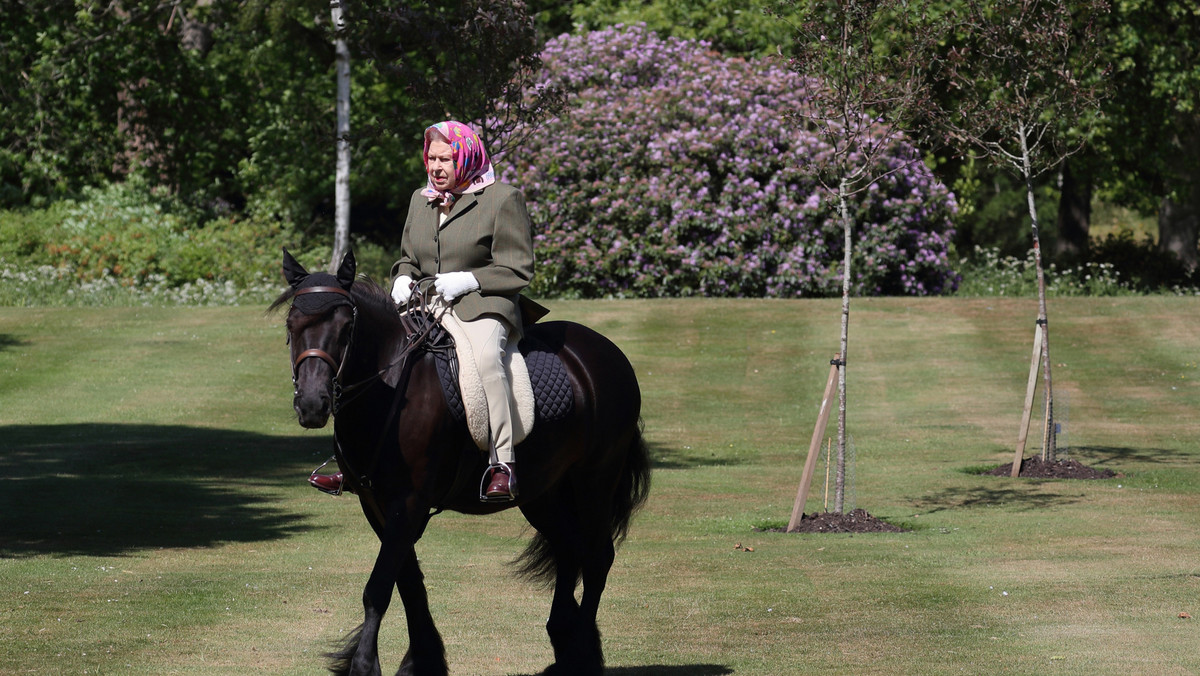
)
(488, 233)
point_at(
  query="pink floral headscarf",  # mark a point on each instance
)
(472, 169)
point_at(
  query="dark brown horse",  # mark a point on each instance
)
(403, 453)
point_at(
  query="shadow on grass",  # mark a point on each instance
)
(1019, 497)
(111, 490)
(660, 670)
(1114, 455)
(665, 457)
(8, 341)
(664, 670)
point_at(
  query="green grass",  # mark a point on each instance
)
(155, 517)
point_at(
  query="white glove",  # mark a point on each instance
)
(402, 289)
(454, 284)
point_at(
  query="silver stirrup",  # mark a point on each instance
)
(487, 479)
(317, 472)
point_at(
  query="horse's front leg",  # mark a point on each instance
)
(395, 562)
(426, 651)
(397, 565)
(395, 547)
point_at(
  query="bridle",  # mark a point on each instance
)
(317, 352)
(420, 324)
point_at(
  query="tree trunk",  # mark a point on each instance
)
(839, 495)
(1049, 452)
(1179, 230)
(1179, 217)
(341, 231)
(1074, 214)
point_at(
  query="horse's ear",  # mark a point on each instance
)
(345, 274)
(293, 272)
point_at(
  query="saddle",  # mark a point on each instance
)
(541, 388)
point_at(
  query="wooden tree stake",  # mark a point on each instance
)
(814, 447)
(1030, 389)
(828, 460)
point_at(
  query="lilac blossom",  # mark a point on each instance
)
(674, 174)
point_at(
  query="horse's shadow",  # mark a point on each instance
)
(111, 490)
(665, 670)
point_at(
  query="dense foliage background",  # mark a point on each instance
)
(184, 141)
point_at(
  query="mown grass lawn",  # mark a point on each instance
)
(155, 518)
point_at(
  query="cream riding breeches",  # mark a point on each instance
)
(489, 339)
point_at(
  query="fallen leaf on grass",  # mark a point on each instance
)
(1185, 616)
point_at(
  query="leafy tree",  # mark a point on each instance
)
(212, 97)
(232, 102)
(1139, 148)
(731, 26)
(67, 75)
(472, 60)
(552, 17)
(1147, 154)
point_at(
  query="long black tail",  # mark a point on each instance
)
(537, 562)
(634, 486)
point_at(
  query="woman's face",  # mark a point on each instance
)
(440, 165)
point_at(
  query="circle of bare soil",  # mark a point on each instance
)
(856, 521)
(1036, 468)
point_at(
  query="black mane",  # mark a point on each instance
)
(376, 302)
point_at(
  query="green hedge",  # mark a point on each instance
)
(128, 243)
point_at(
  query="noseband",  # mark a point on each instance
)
(316, 352)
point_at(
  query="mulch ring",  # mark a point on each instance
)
(857, 521)
(1035, 468)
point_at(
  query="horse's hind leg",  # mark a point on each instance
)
(564, 615)
(596, 565)
(575, 548)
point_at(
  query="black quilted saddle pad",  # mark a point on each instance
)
(552, 393)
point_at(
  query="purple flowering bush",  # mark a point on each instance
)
(674, 174)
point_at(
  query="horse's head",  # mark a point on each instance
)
(319, 324)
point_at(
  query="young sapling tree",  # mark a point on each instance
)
(869, 62)
(1025, 81)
